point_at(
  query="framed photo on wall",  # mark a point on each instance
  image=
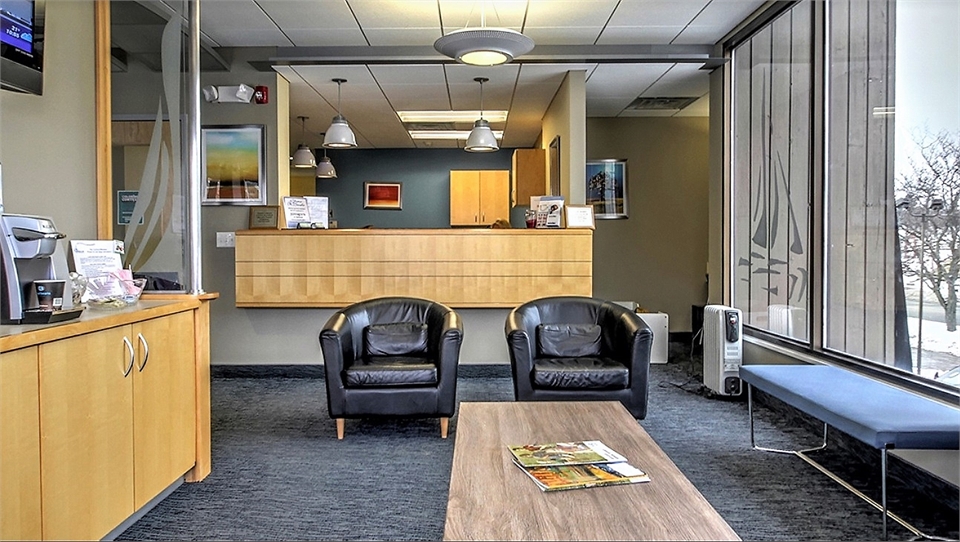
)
(382, 196)
(607, 188)
(232, 161)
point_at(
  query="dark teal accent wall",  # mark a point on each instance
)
(425, 193)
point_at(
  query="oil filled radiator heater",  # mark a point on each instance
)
(722, 349)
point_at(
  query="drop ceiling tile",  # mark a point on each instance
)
(656, 12)
(624, 80)
(563, 35)
(402, 36)
(326, 37)
(681, 80)
(375, 14)
(240, 24)
(639, 35)
(606, 107)
(569, 13)
(717, 19)
(457, 14)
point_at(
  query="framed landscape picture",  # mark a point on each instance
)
(232, 160)
(607, 188)
(382, 196)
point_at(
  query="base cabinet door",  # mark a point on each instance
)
(86, 421)
(164, 401)
(19, 445)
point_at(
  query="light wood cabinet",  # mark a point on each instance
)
(164, 404)
(19, 446)
(479, 197)
(529, 171)
(117, 419)
(460, 267)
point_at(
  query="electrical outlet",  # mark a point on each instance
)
(225, 239)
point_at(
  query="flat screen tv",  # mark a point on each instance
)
(21, 45)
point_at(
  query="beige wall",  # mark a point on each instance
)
(47, 142)
(658, 256)
(566, 118)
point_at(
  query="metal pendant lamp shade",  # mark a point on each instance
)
(339, 135)
(481, 138)
(303, 157)
(484, 46)
(325, 169)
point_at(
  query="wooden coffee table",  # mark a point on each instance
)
(491, 499)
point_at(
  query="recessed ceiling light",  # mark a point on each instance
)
(451, 116)
(447, 134)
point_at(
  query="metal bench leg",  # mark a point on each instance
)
(883, 472)
(753, 442)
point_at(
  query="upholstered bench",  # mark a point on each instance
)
(881, 415)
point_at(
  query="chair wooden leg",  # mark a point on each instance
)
(444, 424)
(340, 425)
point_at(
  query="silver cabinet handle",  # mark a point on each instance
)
(146, 351)
(129, 368)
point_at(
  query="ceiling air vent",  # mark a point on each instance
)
(660, 104)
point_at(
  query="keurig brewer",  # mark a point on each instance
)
(28, 245)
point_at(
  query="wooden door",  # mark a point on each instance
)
(464, 198)
(86, 434)
(164, 398)
(494, 196)
(19, 445)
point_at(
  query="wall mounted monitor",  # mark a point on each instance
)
(21, 45)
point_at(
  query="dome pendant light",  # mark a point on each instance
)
(483, 46)
(325, 169)
(339, 135)
(481, 138)
(303, 158)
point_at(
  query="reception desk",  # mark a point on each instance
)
(458, 267)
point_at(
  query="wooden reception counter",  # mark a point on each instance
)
(458, 267)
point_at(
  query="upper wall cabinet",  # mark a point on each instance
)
(479, 198)
(529, 175)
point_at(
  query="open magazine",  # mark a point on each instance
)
(564, 453)
(557, 478)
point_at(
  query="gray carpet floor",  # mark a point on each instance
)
(279, 473)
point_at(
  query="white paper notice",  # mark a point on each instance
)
(295, 211)
(95, 258)
(318, 207)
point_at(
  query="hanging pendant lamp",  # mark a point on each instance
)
(303, 158)
(339, 135)
(481, 138)
(484, 46)
(325, 169)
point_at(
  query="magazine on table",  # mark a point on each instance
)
(562, 477)
(564, 453)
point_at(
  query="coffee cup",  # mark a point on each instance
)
(49, 294)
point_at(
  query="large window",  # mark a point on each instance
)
(772, 105)
(870, 86)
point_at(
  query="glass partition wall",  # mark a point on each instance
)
(855, 254)
(149, 133)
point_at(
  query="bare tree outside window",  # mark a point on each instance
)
(929, 218)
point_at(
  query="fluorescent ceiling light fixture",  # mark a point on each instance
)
(451, 116)
(447, 134)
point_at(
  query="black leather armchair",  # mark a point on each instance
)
(571, 348)
(392, 356)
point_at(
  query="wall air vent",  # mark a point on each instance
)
(660, 104)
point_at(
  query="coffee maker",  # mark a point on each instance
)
(28, 247)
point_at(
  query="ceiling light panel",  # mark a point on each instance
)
(448, 134)
(451, 116)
